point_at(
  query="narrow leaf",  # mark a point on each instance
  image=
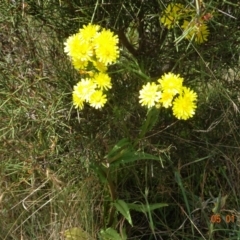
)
(128, 157)
(180, 184)
(110, 234)
(152, 117)
(122, 144)
(100, 171)
(122, 207)
(145, 208)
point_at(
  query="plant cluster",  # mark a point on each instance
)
(148, 172)
(91, 51)
(193, 27)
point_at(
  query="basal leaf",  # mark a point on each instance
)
(122, 207)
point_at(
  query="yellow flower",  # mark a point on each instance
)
(77, 100)
(172, 14)
(166, 99)
(87, 33)
(195, 30)
(97, 99)
(171, 83)
(106, 48)
(184, 105)
(78, 64)
(149, 95)
(84, 89)
(102, 80)
(77, 49)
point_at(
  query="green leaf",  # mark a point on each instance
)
(100, 171)
(180, 184)
(128, 157)
(76, 234)
(110, 234)
(122, 207)
(145, 208)
(120, 146)
(219, 203)
(123, 152)
(152, 118)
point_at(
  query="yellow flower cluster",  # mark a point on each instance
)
(91, 52)
(170, 92)
(196, 29)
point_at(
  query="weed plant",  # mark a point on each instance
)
(51, 152)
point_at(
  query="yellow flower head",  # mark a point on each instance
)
(171, 83)
(166, 99)
(149, 95)
(84, 89)
(102, 80)
(87, 33)
(196, 30)
(106, 47)
(78, 64)
(77, 100)
(184, 105)
(97, 99)
(172, 14)
(78, 49)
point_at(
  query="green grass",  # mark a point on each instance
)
(50, 153)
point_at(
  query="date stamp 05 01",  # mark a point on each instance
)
(217, 218)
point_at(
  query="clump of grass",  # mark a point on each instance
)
(36, 135)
